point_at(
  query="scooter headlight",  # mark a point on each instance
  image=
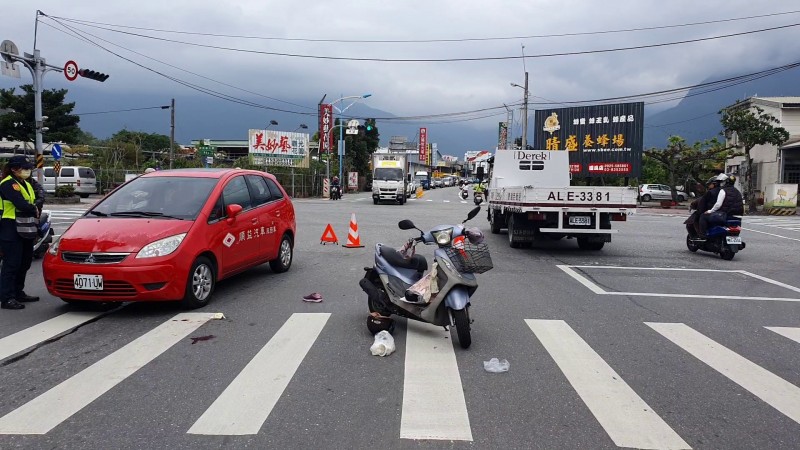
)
(443, 237)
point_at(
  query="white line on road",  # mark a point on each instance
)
(433, 400)
(581, 279)
(774, 390)
(628, 420)
(46, 411)
(247, 402)
(27, 338)
(787, 332)
(709, 296)
(771, 234)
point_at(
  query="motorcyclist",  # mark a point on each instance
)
(728, 202)
(335, 185)
(479, 188)
(702, 205)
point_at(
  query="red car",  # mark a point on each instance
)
(171, 235)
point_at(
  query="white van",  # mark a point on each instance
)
(82, 179)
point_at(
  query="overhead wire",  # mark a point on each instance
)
(120, 110)
(427, 41)
(440, 60)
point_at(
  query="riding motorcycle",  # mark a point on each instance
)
(477, 197)
(464, 194)
(398, 285)
(722, 239)
(336, 192)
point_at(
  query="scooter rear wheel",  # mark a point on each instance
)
(690, 244)
(461, 320)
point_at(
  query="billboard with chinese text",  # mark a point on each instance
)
(325, 128)
(279, 148)
(502, 135)
(423, 144)
(601, 139)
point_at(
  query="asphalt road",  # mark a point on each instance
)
(607, 349)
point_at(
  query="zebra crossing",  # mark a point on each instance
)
(782, 223)
(434, 397)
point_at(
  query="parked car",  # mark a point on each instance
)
(437, 183)
(82, 179)
(649, 192)
(172, 235)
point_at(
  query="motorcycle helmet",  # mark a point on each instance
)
(712, 180)
(377, 323)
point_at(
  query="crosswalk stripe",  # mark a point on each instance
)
(245, 404)
(27, 338)
(626, 417)
(433, 400)
(774, 390)
(48, 410)
(787, 332)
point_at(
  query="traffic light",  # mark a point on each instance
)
(92, 75)
(369, 124)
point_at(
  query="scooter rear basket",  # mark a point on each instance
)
(470, 258)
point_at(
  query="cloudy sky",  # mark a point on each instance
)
(438, 29)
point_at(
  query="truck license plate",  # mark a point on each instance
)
(580, 220)
(733, 240)
(88, 282)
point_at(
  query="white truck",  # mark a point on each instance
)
(530, 194)
(390, 178)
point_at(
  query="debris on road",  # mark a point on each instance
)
(383, 345)
(202, 338)
(496, 366)
(313, 298)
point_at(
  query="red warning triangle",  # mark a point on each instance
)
(328, 236)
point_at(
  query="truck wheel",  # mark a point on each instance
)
(494, 223)
(374, 201)
(586, 244)
(461, 319)
(513, 242)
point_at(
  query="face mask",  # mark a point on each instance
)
(25, 174)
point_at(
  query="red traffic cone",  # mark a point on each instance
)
(353, 241)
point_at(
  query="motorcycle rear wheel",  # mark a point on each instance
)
(461, 320)
(727, 254)
(690, 244)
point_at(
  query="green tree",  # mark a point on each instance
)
(20, 125)
(682, 162)
(748, 128)
(359, 147)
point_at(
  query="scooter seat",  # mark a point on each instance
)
(394, 258)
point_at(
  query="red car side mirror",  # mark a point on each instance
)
(232, 211)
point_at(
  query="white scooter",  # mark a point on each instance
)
(459, 256)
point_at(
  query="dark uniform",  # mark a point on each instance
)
(19, 198)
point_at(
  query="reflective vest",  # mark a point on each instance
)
(9, 210)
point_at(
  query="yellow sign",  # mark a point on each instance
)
(388, 163)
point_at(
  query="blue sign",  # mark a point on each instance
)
(56, 152)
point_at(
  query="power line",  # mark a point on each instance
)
(120, 110)
(423, 41)
(427, 60)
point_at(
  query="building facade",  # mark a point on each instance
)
(772, 164)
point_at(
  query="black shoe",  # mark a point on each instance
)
(12, 304)
(27, 298)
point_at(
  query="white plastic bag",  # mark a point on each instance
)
(384, 344)
(496, 366)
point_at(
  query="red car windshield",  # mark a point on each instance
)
(153, 197)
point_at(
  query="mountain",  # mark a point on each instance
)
(695, 118)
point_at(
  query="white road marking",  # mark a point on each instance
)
(581, 279)
(446, 201)
(774, 390)
(247, 402)
(787, 332)
(429, 200)
(29, 337)
(433, 400)
(46, 411)
(771, 234)
(600, 291)
(628, 420)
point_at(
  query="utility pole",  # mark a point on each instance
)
(525, 116)
(172, 133)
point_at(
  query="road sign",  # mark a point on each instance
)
(56, 152)
(352, 127)
(7, 66)
(71, 70)
(57, 167)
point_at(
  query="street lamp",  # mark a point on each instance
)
(171, 107)
(271, 123)
(355, 99)
(301, 126)
(524, 113)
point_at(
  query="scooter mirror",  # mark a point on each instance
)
(473, 213)
(406, 224)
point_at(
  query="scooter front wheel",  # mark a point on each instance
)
(461, 321)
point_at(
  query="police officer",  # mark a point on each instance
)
(17, 236)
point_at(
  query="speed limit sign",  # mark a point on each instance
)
(71, 70)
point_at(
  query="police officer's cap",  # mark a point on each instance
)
(20, 162)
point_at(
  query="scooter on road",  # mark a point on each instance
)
(722, 239)
(393, 283)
